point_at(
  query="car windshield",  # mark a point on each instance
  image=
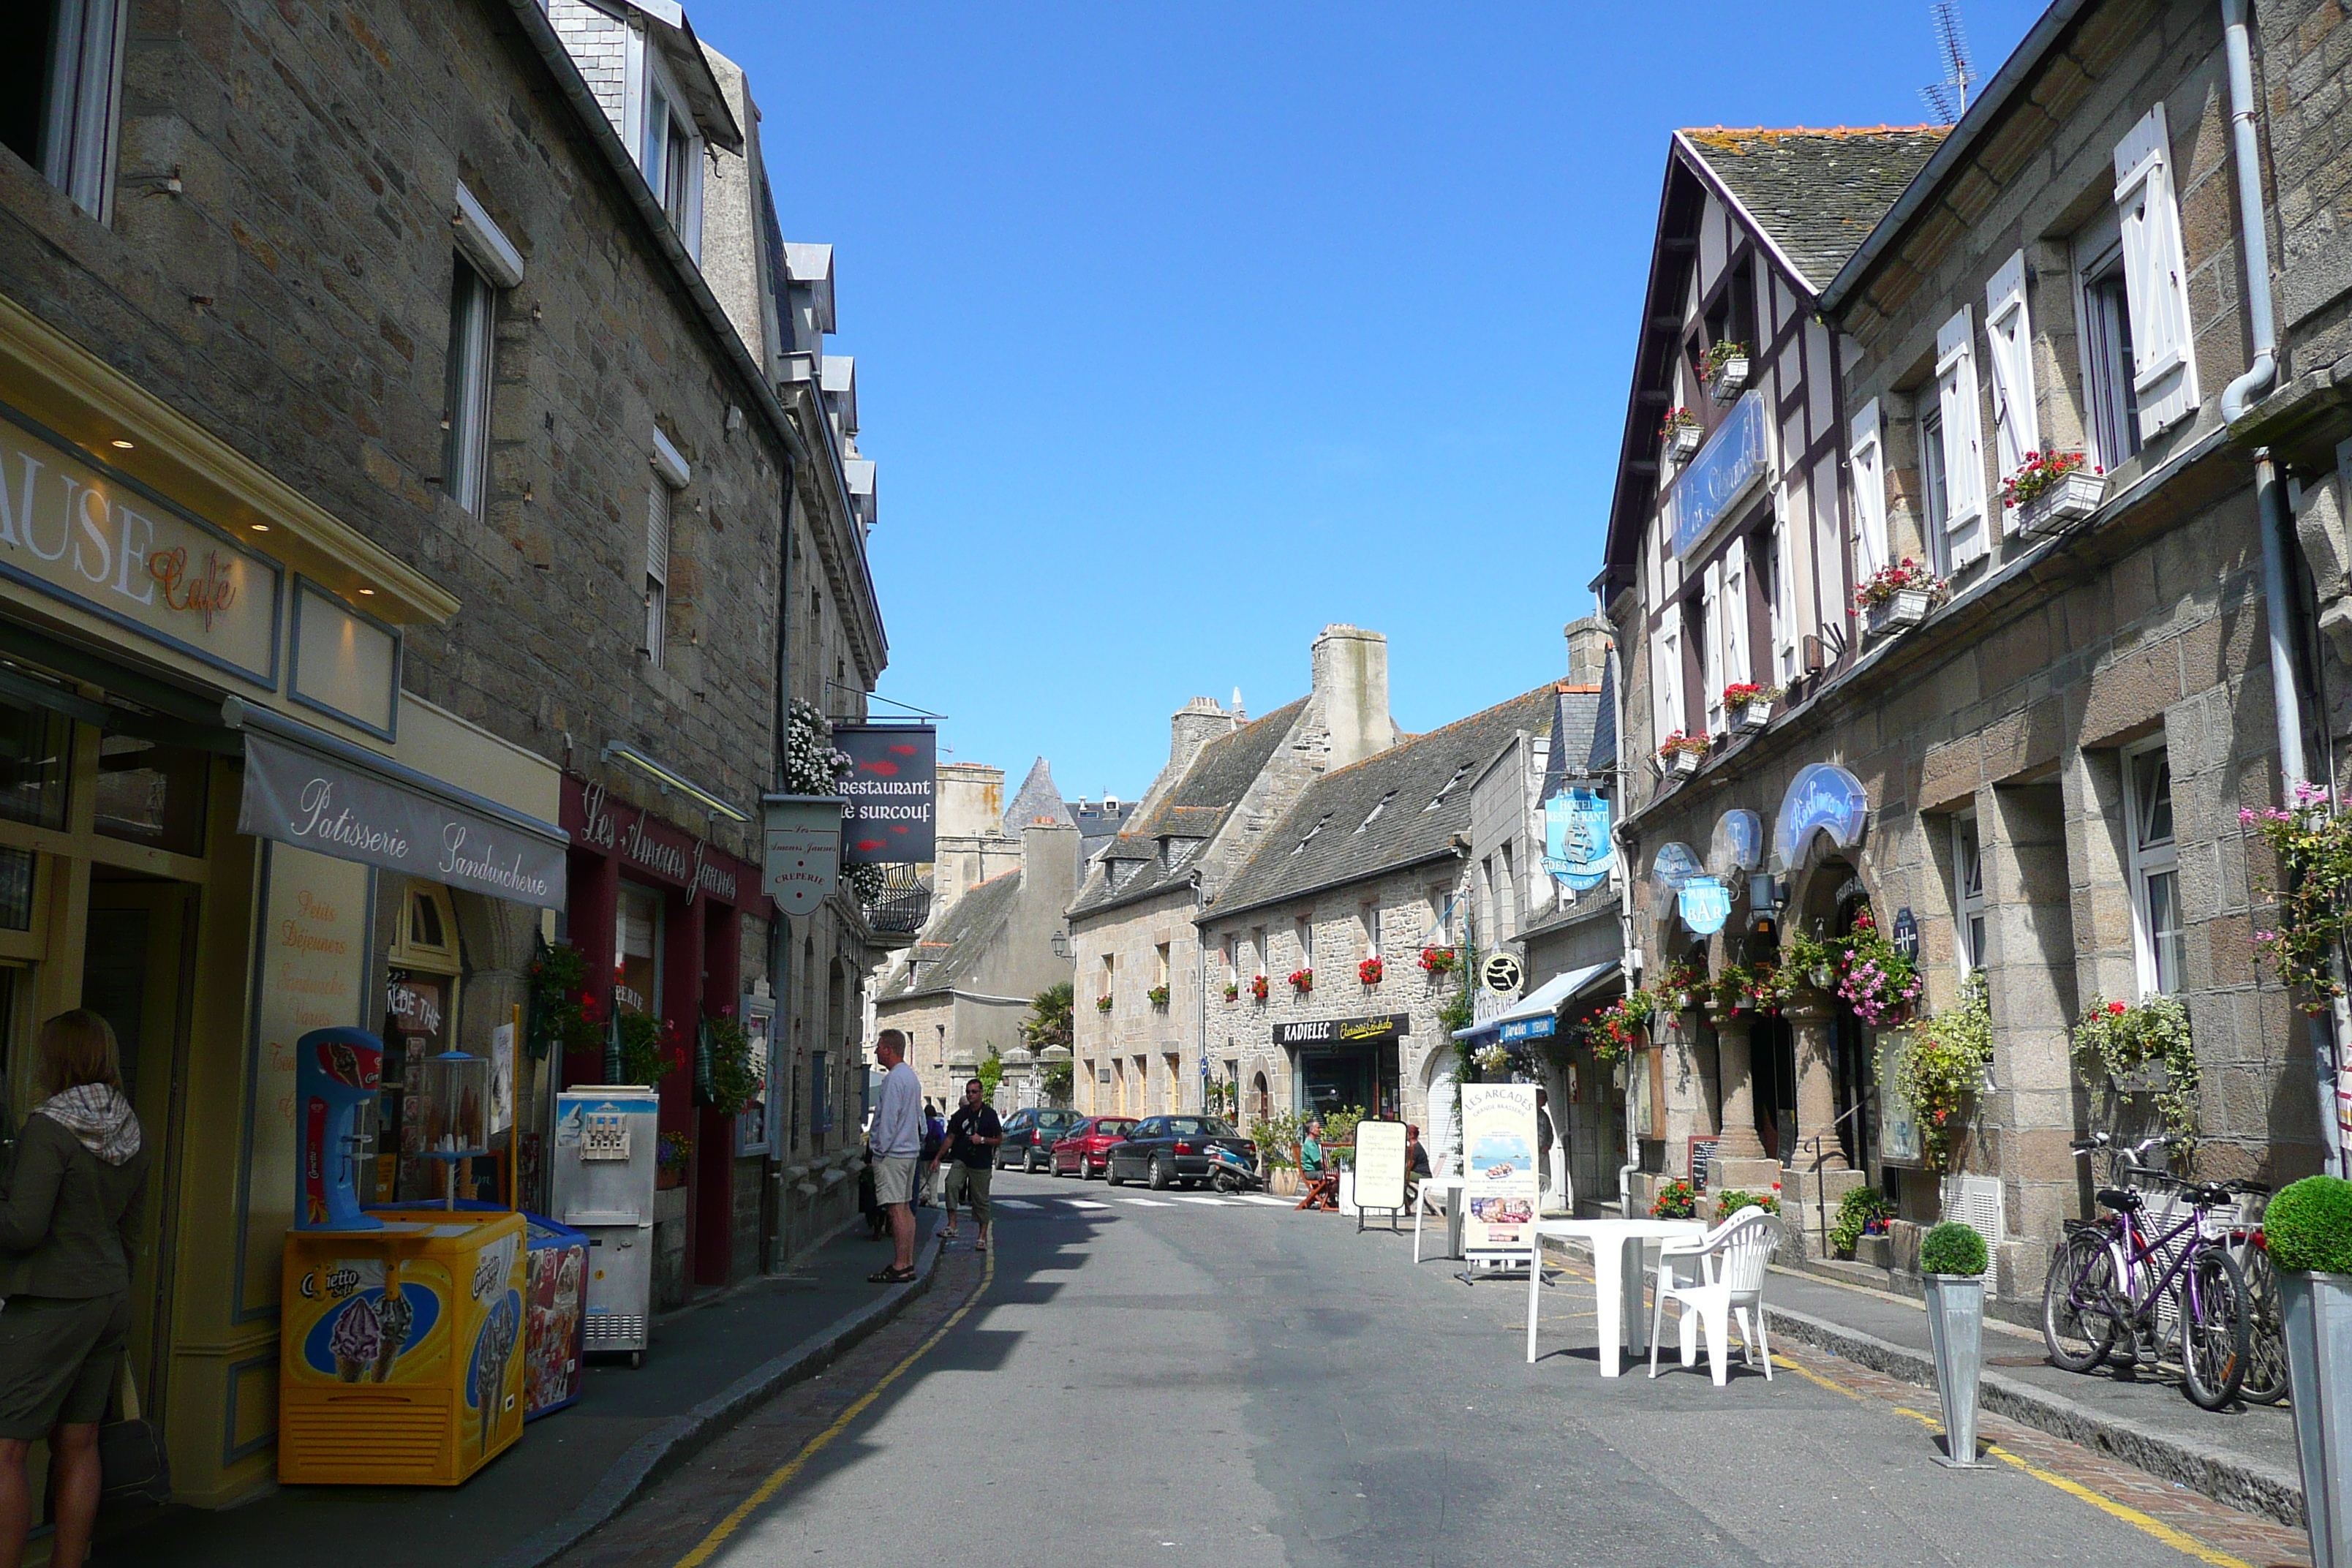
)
(1198, 1127)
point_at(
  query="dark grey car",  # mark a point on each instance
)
(1029, 1136)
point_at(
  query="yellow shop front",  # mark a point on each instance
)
(217, 813)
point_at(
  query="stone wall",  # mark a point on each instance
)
(1136, 1041)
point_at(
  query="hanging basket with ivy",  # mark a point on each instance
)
(2126, 1040)
(559, 1013)
(731, 1078)
(1942, 1069)
(2312, 845)
(651, 1048)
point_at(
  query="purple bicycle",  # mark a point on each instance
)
(2114, 1291)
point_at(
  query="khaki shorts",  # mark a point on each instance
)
(61, 1358)
(894, 1179)
(972, 1181)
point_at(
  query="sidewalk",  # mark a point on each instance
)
(2242, 1456)
(573, 1471)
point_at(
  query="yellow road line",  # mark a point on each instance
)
(783, 1474)
(2177, 1540)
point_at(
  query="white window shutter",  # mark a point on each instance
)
(2156, 279)
(1963, 474)
(658, 533)
(1710, 631)
(1868, 456)
(1667, 675)
(1735, 612)
(2008, 358)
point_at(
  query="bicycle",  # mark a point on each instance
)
(2266, 1378)
(2109, 1275)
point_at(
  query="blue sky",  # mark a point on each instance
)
(1183, 332)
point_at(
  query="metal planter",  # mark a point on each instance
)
(2319, 1311)
(2069, 500)
(1955, 1327)
(1907, 608)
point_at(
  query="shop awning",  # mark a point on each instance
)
(307, 788)
(1543, 1001)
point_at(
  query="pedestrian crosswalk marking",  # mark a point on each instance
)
(1147, 1203)
(1015, 1204)
(1261, 1198)
(1086, 1203)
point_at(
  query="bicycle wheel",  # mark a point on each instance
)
(2078, 1324)
(2214, 1329)
(2265, 1331)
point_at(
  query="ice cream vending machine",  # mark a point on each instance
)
(606, 1143)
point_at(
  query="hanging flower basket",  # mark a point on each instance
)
(2051, 489)
(1440, 960)
(1879, 983)
(1896, 598)
(1258, 988)
(1302, 980)
(1158, 995)
(1371, 971)
(1102, 1004)
(1679, 754)
(1725, 365)
(1750, 705)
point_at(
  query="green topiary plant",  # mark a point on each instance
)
(2308, 1226)
(1952, 1249)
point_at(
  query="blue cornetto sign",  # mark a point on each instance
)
(1705, 903)
(1733, 459)
(1577, 848)
(1526, 1030)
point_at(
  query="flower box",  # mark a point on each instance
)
(1898, 611)
(1746, 718)
(1681, 764)
(1729, 381)
(2068, 500)
(1684, 444)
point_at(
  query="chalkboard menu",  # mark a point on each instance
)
(1702, 1161)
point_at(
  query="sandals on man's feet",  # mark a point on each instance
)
(890, 1277)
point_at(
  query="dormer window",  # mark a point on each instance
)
(1311, 832)
(1373, 814)
(1440, 797)
(669, 151)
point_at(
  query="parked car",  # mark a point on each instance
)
(1083, 1149)
(1174, 1150)
(1029, 1136)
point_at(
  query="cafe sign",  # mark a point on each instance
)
(74, 529)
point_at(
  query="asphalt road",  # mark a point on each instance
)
(1171, 1378)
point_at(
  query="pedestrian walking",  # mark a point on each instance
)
(68, 1223)
(898, 1144)
(935, 1142)
(973, 1135)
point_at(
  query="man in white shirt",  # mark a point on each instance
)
(895, 1145)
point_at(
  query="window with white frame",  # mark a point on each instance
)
(1303, 930)
(1770, 553)
(671, 474)
(669, 152)
(1440, 911)
(1866, 459)
(1967, 885)
(1935, 494)
(2009, 356)
(1960, 429)
(2160, 945)
(1370, 914)
(1507, 892)
(473, 313)
(1233, 958)
(1734, 611)
(1667, 674)
(60, 93)
(1710, 630)
(2111, 406)
(2156, 278)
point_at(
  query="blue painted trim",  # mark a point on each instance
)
(231, 1449)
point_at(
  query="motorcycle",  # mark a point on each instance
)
(1229, 1173)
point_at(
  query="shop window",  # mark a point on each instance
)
(36, 748)
(2160, 945)
(152, 794)
(466, 462)
(60, 87)
(637, 950)
(1968, 882)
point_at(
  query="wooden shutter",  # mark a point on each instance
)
(1964, 471)
(1710, 631)
(1868, 456)
(1734, 610)
(2008, 358)
(2155, 280)
(1667, 675)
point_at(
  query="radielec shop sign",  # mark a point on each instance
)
(892, 790)
(76, 529)
(312, 803)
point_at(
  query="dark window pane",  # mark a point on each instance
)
(35, 746)
(152, 794)
(16, 890)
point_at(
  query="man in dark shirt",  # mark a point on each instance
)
(974, 1133)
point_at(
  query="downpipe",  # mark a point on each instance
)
(2270, 501)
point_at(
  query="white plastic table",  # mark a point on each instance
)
(1614, 1278)
(1452, 1187)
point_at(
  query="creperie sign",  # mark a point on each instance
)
(73, 529)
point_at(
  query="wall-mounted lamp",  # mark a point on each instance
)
(1061, 944)
(616, 751)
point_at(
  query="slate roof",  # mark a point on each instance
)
(1197, 808)
(1394, 808)
(1816, 193)
(1037, 797)
(941, 961)
(1583, 726)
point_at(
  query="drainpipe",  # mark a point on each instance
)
(2271, 502)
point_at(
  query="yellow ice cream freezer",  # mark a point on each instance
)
(401, 1357)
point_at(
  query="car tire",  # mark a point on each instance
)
(1158, 1178)
(1110, 1174)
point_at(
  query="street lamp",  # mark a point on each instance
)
(1061, 944)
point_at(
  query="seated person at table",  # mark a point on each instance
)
(1310, 1150)
(1416, 1157)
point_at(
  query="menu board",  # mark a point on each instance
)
(1380, 1165)
(1499, 1142)
(310, 957)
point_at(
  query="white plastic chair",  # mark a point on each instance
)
(1727, 1266)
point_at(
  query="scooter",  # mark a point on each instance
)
(1229, 1173)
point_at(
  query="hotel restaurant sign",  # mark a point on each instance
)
(1367, 1031)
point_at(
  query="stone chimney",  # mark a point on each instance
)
(1352, 686)
(970, 800)
(1195, 724)
(1049, 865)
(1588, 650)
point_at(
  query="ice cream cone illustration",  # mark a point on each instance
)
(356, 1338)
(490, 1354)
(397, 1314)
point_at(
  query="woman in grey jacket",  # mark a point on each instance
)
(66, 1217)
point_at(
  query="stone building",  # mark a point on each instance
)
(431, 468)
(2042, 778)
(1225, 783)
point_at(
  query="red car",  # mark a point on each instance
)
(1086, 1149)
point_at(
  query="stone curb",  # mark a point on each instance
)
(2231, 1479)
(661, 1451)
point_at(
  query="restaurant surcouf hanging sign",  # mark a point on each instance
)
(652, 846)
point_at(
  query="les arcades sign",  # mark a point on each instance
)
(892, 790)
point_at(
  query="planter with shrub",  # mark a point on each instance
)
(2308, 1232)
(1952, 1261)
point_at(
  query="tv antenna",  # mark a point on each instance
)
(1950, 97)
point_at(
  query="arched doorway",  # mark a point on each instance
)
(1853, 1049)
(1260, 1099)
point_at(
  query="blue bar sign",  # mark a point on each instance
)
(1527, 1028)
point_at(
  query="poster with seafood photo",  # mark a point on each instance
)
(1498, 1141)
